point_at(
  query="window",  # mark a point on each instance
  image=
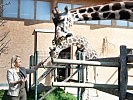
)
(43, 10)
(121, 23)
(61, 6)
(105, 22)
(130, 24)
(27, 9)
(77, 6)
(93, 22)
(10, 10)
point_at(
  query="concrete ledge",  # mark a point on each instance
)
(4, 86)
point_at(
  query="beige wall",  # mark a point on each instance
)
(22, 43)
(114, 38)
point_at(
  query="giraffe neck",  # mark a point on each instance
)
(80, 42)
(117, 11)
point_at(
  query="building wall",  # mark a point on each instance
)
(22, 41)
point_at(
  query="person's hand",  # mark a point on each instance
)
(38, 65)
(41, 63)
(20, 81)
(23, 80)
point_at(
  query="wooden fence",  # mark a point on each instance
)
(123, 62)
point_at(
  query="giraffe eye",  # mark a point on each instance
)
(62, 20)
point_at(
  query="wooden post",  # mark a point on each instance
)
(79, 77)
(31, 64)
(67, 69)
(122, 73)
(36, 73)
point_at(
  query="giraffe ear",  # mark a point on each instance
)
(55, 11)
(66, 9)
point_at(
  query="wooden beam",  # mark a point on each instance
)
(44, 30)
(82, 62)
(115, 92)
(82, 85)
(87, 85)
(108, 88)
(108, 59)
(73, 67)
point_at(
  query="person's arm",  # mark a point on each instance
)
(37, 66)
(19, 82)
(34, 68)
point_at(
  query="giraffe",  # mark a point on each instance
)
(64, 20)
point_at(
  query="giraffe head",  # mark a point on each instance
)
(54, 52)
(63, 22)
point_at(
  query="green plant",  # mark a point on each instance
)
(3, 95)
(57, 94)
